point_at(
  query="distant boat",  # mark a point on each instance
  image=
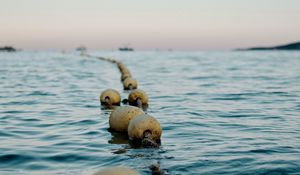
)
(7, 49)
(126, 49)
(81, 49)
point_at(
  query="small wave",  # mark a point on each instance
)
(247, 95)
(81, 122)
(91, 133)
(30, 119)
(6, 134)
(228, 98)
(15, 158)
(14, 112)
(67, 158)
(204, 77)
(91, 106)
(237, 115)
(40, 93)
(29, 102)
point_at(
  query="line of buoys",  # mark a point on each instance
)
(143, 130)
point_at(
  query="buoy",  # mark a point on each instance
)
(122, 66)
(123, 69)
(125, 75)
(110, 97)
(146, 129)
(138, 98)
(121, 116)
(129, 84)
(117, 170)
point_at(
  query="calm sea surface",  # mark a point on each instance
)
(221, 112)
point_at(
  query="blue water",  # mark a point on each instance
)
(221, 112)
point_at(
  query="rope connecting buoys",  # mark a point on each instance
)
(117, 170)
(110, 97)
(121, 116)
(138, 98)
(146, 129)
(129, 84)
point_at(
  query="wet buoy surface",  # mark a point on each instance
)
(118, 170)
(129, 84)
(121, 116)
(125, 76)
(110, 97)
(125, 70)
(137, 94)
(144, 123)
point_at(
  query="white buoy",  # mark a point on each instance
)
(117, 170)
(129, 84)
(110, 97)
(121, 116)
(137, 96)
(144, 124)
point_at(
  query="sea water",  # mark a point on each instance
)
(221, 112)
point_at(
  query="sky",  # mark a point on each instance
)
(147, 25)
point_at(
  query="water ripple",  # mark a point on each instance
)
(221, 112)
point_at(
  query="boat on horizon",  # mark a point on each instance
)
(81, 49)
(126, 49)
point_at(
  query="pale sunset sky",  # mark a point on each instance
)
(147, 25)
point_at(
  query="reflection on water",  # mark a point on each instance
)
(118, 138)
(221, 112)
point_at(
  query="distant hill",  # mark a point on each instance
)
(291, 46)
(7, 49)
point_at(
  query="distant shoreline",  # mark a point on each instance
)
(290, 46)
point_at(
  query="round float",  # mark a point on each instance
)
(142, 125)
(137, 96)
(110, 97)
(121, 116)
(129, 84)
